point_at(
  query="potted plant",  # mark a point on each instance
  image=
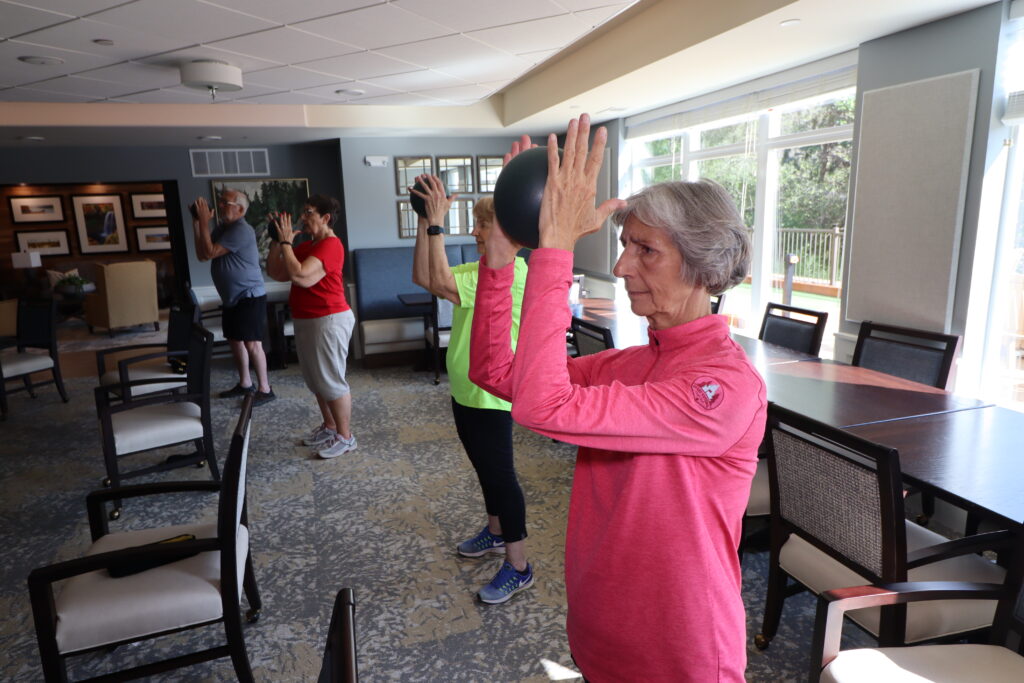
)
(71, 285)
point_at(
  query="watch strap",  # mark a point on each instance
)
(435, 230)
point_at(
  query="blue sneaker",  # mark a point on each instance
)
(481, 544)
(506, 583)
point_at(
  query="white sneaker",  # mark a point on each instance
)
(338, 446)
(319, 437)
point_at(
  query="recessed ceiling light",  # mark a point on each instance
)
(32, 138)
(355, 92)
(40, 60)
(786, 23)
(210, 137)
(105, 42)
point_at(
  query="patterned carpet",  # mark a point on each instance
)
(383, 520)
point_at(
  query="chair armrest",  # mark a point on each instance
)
(94, 502)
(122, 365)
(833, 604)
(101, 355)
(968, 545)
(149, 400)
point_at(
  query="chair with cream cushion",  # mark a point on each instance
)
(160, 420)
(999, 661)
(125, 296)
(838, 520)
(191, 583)
(35, 351)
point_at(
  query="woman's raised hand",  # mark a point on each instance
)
(521, 145)
(434, 198)
(285, 232)
(567, 211)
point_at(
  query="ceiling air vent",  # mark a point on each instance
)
(229, 163)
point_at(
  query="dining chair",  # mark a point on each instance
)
(339, 662)
(280, 331)
(160, 420)
(717, 301)
(36, 329)
(438, 331)
(134, 586)
(803, 332)
(167, 361)
(917, 355)
(838, 521)
(998, 661)
(590, 338)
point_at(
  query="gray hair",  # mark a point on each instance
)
(702, 220)
(241, 198)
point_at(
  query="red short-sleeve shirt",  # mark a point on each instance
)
(328, 295)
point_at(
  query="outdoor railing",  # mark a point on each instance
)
(820, 252)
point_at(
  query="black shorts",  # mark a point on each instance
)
(246, 320)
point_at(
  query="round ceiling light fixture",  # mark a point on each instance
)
(211, 75)
(350, 92)
(786, 23)
(41, 60)
(32, 138)
(210, 138)
(105, 42)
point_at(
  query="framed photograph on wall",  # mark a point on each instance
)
(100, 223)
(36, 209)
(148, 206)
(157, 238)
(46, 242)
(266, 195)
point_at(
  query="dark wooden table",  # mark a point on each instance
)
(973, 458)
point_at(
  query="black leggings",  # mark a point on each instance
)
(487, 437)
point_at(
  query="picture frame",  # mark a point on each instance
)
(487, 170)
(154, 238)
(44, 242)
(99, 221)
(148, 205)
(266, 195)
(44, 209)
(406, 170)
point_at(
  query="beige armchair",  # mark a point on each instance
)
(125, 296)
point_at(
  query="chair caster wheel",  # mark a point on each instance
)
(106, 482)
(923, 519)
(761, 642)
(201, 464)
(252, 616)
(115, 514)
(436, 382)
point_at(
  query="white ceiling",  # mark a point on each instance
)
(425, 67)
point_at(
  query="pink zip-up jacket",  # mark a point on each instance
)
(668, 437)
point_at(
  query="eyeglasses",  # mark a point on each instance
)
(309, 211)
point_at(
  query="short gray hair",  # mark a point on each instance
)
(702, 220)
(241, 198)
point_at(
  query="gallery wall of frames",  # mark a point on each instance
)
(71, 224)
(467, 176)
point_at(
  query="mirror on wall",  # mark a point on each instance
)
(406, 170)
(460, 217)
(406, 220)
(488, 168)
(456, 173)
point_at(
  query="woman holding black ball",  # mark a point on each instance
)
(322, 317)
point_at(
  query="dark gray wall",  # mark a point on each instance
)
(319, 162)
(371, 195)
(972, 40)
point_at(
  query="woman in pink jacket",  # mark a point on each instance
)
(668, 432)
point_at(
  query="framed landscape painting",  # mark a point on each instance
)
(148, 206)
(153, 239)
(36, 209)
(266, 195)
(99, 223)
(46, 242)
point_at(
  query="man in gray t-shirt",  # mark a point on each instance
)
(238, 277)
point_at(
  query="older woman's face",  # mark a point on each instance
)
(481, 231)
(652, 267)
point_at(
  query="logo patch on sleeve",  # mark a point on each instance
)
(708, 392)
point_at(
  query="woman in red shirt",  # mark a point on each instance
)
(323, 320)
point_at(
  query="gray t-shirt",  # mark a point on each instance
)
(237, 274)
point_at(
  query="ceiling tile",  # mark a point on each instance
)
(539, 56)
(19, 19)
(136, 75)
(580, 5)
(596, 17)
(201, 22)
(418, 80)
(289, 98)
(470, 15)
(328, 91)
(361, 65)
(401, 100)
(376, 26)
(541, 34)
(76, 8)
(179, 95)
(284, 45)
(289, 78)
(248, 90)
(86, 87)
(455, 55)
(14, 72)
(293, 12)
(463, 94)
(128, 44)
(26, 95)
(176, 57)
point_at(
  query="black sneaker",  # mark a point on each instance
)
(237, 390)
(262, 398)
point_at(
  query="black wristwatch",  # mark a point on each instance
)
(435, 230)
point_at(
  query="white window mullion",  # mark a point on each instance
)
(765, 201)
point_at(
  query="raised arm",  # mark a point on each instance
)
(437, 203)
(304, 274)
(206, 248)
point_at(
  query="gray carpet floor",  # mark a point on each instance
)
(383, 519)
